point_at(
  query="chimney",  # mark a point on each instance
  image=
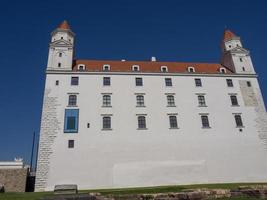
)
(153, 59)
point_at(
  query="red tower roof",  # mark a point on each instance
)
(228, 35)
(64, 25)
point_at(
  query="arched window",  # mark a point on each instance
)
(164, 69)
(60, 54)
(141, 122)
(135, 68)
(106, 67)
(191, 69)
(81, 67)
(222, 70)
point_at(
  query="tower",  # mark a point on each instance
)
(234, 56)
(61, 48)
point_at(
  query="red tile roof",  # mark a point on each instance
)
(149, 66)
(228, 35)
(64, 25)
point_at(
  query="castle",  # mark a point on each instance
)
(111, 124)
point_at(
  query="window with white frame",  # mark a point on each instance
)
(106, 122)
(222, 70)
(106, 67)
(106, 81)
(233, 99)
(138, 81)
(135, 68)
(106, 100)
(141, 122)
(173, 121)
(168, 81)
(81, 67)
(72, 100)
(201, 100)
(74, 80)
(198, 82)
(140, 100)
(229, 82)
(205, 121)
(164, 69)
(170, 101)
(191, 69)
(238, 120)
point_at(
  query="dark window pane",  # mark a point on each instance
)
(71, 121)
(201, 100)
(234, 100)
(71, 143)
(142, 122)
(168, 81)
(106, 122)
(173, 122)
(205, 121)
(106, 100)
(106, 81)
(74, 80)
(138, 81)
(72, 100)
(248, 83)
(170, 100)
(229, 82)
(238, 120)
(140, 100)
(198, 82)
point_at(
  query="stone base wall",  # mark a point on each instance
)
(14, 180)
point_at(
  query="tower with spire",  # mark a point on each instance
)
(61, 48)
(234, 56)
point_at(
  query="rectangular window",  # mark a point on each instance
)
(238, 120)
(57, 82)
(71, 144)
(141, 122)
(107, 122)
(205, 121)
(229, 83)
(234, 100)
(74, 80)
(173, 121)
(106, 81)
(201, 100)
(198, 82)
(168, 81)
(71, 120)
(138, 81)
(140, 101)
(106, 100)
(170, 101)
(72, 100)
(248, 83)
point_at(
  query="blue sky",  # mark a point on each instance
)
(171, 30)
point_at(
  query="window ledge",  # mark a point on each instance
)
(106, 129)
(171, 106)
(142, 129)
(173, 128)
(75, 106)
(235, 105)
(141, 106)
(106, 106)
(240, 126)
(106, 85)
(206, 127)
(70, 132)
(202, 106)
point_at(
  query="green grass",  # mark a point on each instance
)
(128, 191)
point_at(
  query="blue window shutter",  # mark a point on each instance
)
(71, 120)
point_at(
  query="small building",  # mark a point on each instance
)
(13, 175)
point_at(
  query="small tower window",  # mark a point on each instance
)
(59, 64)
(164, 68)
(241, 59)
(222, 70)
(243, 68)
(191, 69)
(57, 82)
(60, 55)
(106, 67)
(61, 38)
(230, 46)
(135, 68)
(248, 83)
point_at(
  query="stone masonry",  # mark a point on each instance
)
(49, 128)
(14, 180)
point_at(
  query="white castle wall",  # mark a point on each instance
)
(127, 157)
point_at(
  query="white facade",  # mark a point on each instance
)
(126, 156)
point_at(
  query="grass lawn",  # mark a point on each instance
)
(127, 191)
